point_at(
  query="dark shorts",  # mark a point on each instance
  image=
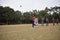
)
(33, 22)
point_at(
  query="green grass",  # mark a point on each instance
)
(26, 32)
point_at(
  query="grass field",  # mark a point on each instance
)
(26, 32)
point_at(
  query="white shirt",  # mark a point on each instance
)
(36, 21)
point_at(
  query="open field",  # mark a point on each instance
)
(26, 32)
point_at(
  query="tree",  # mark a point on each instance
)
(27, 17)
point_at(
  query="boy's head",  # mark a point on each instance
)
(33, 15)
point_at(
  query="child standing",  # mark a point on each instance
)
(36, 22)
(53, 20)
(42, 21)
(57, 21)
(47, 21)
(33, 18)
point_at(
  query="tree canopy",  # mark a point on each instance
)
(9, 16)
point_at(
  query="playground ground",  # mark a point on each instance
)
(26, 32)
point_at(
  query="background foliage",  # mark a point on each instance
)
(9, 16)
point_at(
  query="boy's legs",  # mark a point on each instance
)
(53, 23)
(33, 24)
(57, 23)
(42, 23)
(47, 23)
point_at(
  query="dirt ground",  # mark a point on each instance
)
(26, 32)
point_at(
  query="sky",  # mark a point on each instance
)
(29, 5)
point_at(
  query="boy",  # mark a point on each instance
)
(47, 21)
(42, 20)
(53, 20)
(57, 21)
(33, 17)
(36, 21)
